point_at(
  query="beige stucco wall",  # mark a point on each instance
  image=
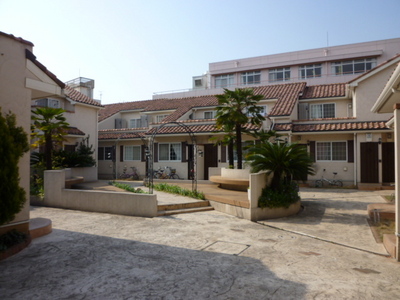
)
(366, 93)
(344, 169)
(15, 97)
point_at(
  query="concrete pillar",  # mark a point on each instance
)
(397, 176)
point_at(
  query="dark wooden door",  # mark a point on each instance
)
(210, 158)
(190, 162)
(369, 162)
(305, 176)
(387, 162)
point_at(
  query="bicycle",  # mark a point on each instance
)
(134, 175)
(166, 173)
(333, 182)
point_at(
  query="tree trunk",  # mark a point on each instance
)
(230, 153)
(239, 146)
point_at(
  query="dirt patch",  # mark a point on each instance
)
(381, 228)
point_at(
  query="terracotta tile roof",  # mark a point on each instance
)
(74, 131)
(120, 135)
(29, 55)
(180, 105)
(18, 39)
(283, 127)
(206, 128)
(79, 97)
(325, 91)
(324, 119)
(342, 126)
(287, 95)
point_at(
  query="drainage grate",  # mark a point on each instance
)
(226, 248)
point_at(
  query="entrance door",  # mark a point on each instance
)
(387, 162)
(210, 158)
(305, 176)
(369, 162)
(190, 162)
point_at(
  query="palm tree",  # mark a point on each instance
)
(51, 127)
(284, 160)
(234, 111)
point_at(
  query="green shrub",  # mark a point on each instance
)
(128, 188)
(283, 196)
(11, 238)
(13, 145)
(174, 189)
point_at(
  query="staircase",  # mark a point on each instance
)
(183, 208)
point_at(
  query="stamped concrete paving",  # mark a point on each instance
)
(206, 255)
(335, 215)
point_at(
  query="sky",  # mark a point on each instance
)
(134, 48)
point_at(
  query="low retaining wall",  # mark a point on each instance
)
(130, 204)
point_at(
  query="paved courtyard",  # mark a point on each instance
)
(207, 255)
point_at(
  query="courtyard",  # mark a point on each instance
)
(325, 252)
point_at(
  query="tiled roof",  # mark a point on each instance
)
(194, 128)
(342, 126)
(29, 55)
(180, 105)
(18, 39)
(287, 95)
(120, 135)
(75, 131)
(79, 97)
(325, 91)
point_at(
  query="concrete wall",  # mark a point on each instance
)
(130, 204)
(16, 98)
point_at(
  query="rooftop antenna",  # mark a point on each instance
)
(327, 39)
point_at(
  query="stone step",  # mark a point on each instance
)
(184, 211)
(183, 205)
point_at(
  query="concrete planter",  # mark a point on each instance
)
(235, 173)
(277, 212)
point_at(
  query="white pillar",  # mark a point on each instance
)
(397, 176)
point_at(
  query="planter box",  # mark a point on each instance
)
(275, 213)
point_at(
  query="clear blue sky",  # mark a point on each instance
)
(134, 48)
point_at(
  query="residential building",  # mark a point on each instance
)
(333, 121)
(26, 83)
(327, 65)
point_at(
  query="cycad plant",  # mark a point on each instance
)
(284, 160)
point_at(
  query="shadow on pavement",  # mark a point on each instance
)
(72, 265)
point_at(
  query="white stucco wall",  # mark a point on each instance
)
(16, 98)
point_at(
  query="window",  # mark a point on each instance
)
(132, 153)
(105, 153)
(263, 111)
(209, 114)
(224, 80)
(280, 74)
(160, 118)
(135, 123)
(47, 102)
(353, 66)
(251, 77)
(244, 151)
(310, 71)
(321, 111)
(169, 152)
(331, 151)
